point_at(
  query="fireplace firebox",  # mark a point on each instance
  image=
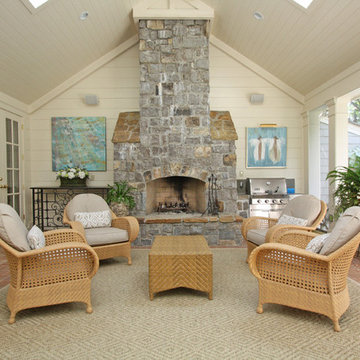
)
(175, 194)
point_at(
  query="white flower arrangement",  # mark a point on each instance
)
(72, 173)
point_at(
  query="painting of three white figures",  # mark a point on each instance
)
(266, 147)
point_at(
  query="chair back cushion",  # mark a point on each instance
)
(85, 203)
(305, 207)
(347, 226)
(12, 229)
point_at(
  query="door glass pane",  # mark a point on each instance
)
(10, 181)
(9, 155)
(8, 130)
(16, 181)
(17, 203)
(10, 200)
(16, 132)
(16, 156)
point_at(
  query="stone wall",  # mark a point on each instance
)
(176, 135)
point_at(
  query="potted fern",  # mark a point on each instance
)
(347, 180)
(120, 198)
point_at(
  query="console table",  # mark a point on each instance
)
(48, 203)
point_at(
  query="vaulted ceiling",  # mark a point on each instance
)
(303, 48)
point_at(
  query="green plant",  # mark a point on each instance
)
(347, 181)
(121, 192)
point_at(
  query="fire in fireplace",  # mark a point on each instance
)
(175, 194)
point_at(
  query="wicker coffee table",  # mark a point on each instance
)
(180, 261)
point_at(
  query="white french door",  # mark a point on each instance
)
(10, 171)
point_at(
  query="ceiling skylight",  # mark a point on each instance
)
(304, 3)
(37, 3)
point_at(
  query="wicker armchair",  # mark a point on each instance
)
(108, 242)
(257, 230)
(60, 272)
(291, 276)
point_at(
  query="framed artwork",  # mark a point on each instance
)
(266, 147)
(78, 141)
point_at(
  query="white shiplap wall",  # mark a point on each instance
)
(117, 85)
(230, 87)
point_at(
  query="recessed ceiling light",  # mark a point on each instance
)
(84, 15)
(258, 15)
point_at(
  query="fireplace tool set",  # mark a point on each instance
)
(213, 205)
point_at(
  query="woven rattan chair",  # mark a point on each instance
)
(257, 230)
(60, 272)
(291, 276)
(105, 247)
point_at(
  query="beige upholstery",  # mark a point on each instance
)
(108, 242)
(257, 236)
(259, 230)
(305, 207)
(12, 229)
(347, 226)
(105, 235)
(85, 203)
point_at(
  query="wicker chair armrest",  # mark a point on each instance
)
(57, 262)
(128, 223)
(63, 236)
(256, 222)
(275, 234)
(277, 257)
(75, 225)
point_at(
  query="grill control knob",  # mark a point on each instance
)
(282, 202)
(274, 201)
(266, 201)
(259, 201)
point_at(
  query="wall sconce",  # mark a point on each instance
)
(91, 99)
(256, 99)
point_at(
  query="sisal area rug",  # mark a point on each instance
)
(177, 324)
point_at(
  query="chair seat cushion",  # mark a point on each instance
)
(105, 235)
(257, 236)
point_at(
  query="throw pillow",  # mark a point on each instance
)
(36, 238)
(316, 244)
(291, 220)
(94, 219)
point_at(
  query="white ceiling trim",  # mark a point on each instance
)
(12, 105)
(257, 69)
(83, 74)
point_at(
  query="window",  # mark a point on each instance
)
(34, 5)
(304, 3)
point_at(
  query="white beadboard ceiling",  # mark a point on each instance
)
(303, 48)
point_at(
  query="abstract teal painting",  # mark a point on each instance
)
(79, 141)
(266, 147)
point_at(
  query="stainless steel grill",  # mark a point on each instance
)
(268, 196)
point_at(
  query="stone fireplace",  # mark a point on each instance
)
(171, 147)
